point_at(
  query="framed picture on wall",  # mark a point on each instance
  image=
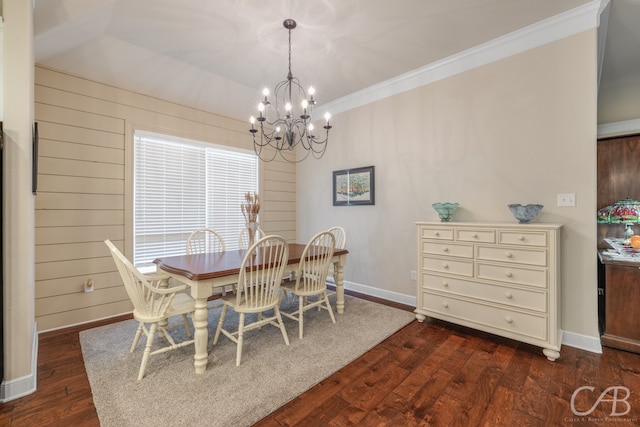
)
(354, 186)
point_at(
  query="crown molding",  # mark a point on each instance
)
(626, 127)
(549, 30)
(603, 24)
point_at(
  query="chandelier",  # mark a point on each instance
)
(285, 124)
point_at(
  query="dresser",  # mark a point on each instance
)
(500, 278)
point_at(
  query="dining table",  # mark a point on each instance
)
(208, 271)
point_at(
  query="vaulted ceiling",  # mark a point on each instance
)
(217, 55)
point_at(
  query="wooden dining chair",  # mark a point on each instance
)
(311, 278)
(153, 305)
(258, 291)
(243, 238)
(205, 240)
(341, 243)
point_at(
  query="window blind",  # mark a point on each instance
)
(181, 185)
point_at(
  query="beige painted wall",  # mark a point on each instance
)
(84, 192)
(20, 335)
(519, 130)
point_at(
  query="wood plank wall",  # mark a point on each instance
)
(83, 184)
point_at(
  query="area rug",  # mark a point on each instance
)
(270, 375)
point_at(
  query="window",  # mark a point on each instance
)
(181, 185)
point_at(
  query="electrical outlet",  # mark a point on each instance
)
(89, 285)
(413, 275)
(566, 199)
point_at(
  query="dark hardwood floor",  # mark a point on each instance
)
(425, 374)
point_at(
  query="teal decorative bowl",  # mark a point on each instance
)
(445, 210)
(525, 214)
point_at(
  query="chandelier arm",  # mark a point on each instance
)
(258, 149)
(301, 127)
(297, 160)
(322, 144)
(322, 150)
(321, 141)
(265, 137)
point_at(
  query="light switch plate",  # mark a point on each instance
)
(566, 199)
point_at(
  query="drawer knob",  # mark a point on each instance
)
(509, 255)
(508, 295)
(445, 249)
(445, 284)
(474, 235)
(437, 233)
(508, 274)
(521, 238)
(445, 304)
(445, 265)
(508, 319)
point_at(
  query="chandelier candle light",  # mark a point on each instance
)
(291, 127)
(250, 210)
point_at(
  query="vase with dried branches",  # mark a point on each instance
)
(250, 209)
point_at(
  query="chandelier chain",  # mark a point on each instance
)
(290, 75)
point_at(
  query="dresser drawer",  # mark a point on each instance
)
(515, 322)
(522, 238)
(438, 233)
(481, 235)
(506, 254)
(522, 298)
(537, 277)
(446, 265)
(448, 249)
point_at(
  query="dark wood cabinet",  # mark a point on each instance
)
(622, 312)
(619, 286)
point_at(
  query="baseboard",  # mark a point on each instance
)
(583, 342)
(572, 339)
(23, 386)
(86, 322)
(381, 293)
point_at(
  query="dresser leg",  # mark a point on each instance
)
(420, 317)
(551, 354)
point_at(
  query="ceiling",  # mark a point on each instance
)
(619, 89)
(217, 55)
